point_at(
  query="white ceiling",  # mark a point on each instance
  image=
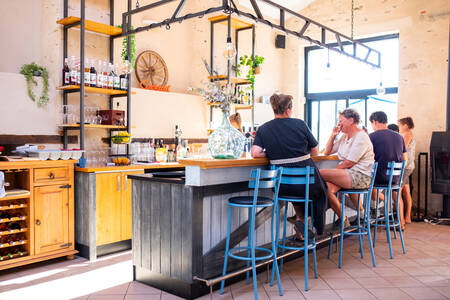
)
(272, 12)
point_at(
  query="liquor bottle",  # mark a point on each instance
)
(105, 76)
(73, 70)
(87, 73)
(78, 72)
(99, 74)
(66, 72)
(124, 82)
(93, 73)
(116, 78)
(110, 76)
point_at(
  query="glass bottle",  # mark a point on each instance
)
(99, 74)
(78, 72)
(73, 71)
(116, 77)
(105, 76)
(93, 73)
(110, 77)
(66, 72)
(87, 73)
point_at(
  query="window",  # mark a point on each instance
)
(346, 82)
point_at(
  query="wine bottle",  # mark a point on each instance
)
(105, 76)
(73, 71)
(110, 77)
(99, 74)
(116, 78)
(66, 72)
(93, 73)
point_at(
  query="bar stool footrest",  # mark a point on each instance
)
(246, 248)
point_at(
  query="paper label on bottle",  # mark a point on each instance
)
(122, 84)
(116, 82)
(99, 80)
(110, 81)
(66, 78)
(93, 79)
(87, 77)
(78, 77)
(73, 76)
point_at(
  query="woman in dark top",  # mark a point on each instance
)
(288, 142)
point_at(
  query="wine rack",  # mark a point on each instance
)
(14, 215)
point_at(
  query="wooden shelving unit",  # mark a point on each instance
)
(89, 89)
(8, 232)
(94, 126)
(24, 195)
(233, 80)
(12, 206)
(235, 23)
(15, 219)
(91, 26)
(7, 245)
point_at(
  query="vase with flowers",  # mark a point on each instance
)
(226, 142)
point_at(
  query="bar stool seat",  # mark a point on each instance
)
(248, 201)
(361, 230)
(259, 179)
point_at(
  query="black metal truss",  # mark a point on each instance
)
(371, 56)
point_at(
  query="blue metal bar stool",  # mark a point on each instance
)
(361, 230)
(297, 176)
(388, 221)
(259, 179)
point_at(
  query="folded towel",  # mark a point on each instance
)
(2, 185)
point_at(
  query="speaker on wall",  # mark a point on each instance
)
(280, 41)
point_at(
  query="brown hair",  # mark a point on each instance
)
(280, 103)
(408, 121)
(350, 113)
(236, 119)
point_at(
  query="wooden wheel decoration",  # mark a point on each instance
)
(151, 69)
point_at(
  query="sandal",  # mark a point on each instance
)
(299, 228)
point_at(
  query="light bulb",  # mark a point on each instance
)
(381, 90)
(230, 51)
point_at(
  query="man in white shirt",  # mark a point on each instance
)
(355, 150)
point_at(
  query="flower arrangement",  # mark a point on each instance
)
(217, 95)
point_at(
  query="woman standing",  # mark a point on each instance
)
(288, 142)
(405, 125)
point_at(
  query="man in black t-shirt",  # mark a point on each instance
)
(388, 146)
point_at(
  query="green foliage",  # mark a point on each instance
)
(28, 72)
(252, 64)
(132, 57)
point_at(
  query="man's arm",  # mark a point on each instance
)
(257, 151)
(346, 164)
(315, 151)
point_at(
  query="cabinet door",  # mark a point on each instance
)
(126, 227)
(108, 208)
(51, 218)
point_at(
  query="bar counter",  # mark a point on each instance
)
(179, 224)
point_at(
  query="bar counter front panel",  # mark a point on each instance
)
(179, 225)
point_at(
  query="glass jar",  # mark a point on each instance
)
(226, 142)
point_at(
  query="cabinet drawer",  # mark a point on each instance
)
(51, 174)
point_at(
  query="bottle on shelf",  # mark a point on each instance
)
(99, 75)
(124, 82)
(152, 151)
(73, 70)
(87, 72)
(110, 76)
(66, 72)
(93, 74)
(105, 76)
(116, 78)
(78, 72)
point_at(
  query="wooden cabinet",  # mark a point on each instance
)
(38, 222)
(113, 206)
(51, 218)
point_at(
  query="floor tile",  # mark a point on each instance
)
(445, 291)
(428, 261)
(321, 294)
(138, 288)
(404, 281)
(106, 297)
(287, 295)
(434, 280)
(423, 293)
(390, 293)
(333, 273)
(418, 271)
(286, 283)
(313, 284)
(116, 290)
(373, 282)
(363, 271)
(342, 283)
(443, 271)
(142, 297)
(389, 271)
(166, 296)
(355, 294)
(217, 296)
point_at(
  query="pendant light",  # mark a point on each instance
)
(230, 51)
(381, 90)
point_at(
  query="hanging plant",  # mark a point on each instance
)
(132, 50)
(31, 70)
(254, 66)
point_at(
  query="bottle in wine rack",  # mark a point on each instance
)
(110, 77)
(66, 72)
(116, 78)
(87, 73)
(93, 73)
(105, 76)
(99, 74)
(73, 71)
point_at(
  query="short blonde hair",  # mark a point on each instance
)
(236, 119)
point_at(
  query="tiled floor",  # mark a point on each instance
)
(422, 273)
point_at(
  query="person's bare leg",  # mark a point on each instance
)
(334, 201)
(299, 212)
(336, 179)
(400, 208)
(354, 198)
(406, 193)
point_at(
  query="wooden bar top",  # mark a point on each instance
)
(209, 163)
(91, 169)
(34, 163)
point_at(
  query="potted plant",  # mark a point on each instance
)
(254, 66)
(30, 70)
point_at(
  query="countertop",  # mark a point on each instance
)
(241, 162)
(149, 177)
(155, 166)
